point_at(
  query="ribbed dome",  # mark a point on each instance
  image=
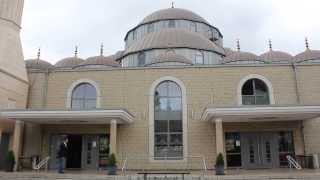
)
(308, 55)
(169, 56)
(173, 13)
(173, 38)
(38, 64)
(276, 56)
(69, 62)
(101, 60)
(241, 56)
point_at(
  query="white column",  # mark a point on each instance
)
(219, 136)
(113, 136)
(17, 143)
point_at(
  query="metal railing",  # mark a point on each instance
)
(293, 163)
(41, 164)
(185, 160)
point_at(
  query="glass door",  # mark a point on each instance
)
(90, 148)
(104, 150)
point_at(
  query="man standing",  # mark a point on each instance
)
(62, 155)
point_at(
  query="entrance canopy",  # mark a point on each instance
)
(99, 116)
(260, 113)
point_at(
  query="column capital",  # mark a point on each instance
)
(113, 121)
(218, 120)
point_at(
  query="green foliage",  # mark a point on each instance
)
(10, 157)
(220, 160)
(112, 161)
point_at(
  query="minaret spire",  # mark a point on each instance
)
(270, 45)
(307, 43)
(172, 4)
(101, 49)
(238, 44)
(76, 51)
(38, 54)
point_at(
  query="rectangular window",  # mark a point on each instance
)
(172, 24)
(233, 149)
(150, 28)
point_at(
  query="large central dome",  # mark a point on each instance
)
(173, 13)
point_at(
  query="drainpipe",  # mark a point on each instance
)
(295, 75)
(45, 89)
(294, 67)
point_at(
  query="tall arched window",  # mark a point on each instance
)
(255, 92)
(84, 96)
(168, 128)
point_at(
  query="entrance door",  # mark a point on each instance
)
(4, 146)
(74, 151)
(55, 141)
(260, 150)
(90, 157)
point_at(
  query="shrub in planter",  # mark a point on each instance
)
(220, 165)
(112, 164)
(10, 161)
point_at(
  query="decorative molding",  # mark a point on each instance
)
(184, 116)
(75, 84)
(255, 76)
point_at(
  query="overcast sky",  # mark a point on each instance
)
(58, 25)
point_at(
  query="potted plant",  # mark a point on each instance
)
(220, 164)
(112, 164)
(10, 161)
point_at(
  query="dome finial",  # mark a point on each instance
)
(307, 43)
(101, 49)
(38, 54)
(172, 4)
(238, 44)
(76, 51)
(270, 45)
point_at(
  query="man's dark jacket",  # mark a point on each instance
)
(62, 151)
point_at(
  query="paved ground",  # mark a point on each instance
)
(278, 174)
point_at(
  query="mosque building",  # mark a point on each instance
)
(173, 98)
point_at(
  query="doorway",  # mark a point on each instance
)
(74, 152)
(260, 150)
(4, 146)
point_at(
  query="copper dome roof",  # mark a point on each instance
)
(38, 64)
(101, 60)
(276, 56)
(69, 62)
(173, 38)
(173, 13)
(308, 54)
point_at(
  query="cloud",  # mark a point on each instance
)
(57, 26)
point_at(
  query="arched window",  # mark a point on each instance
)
(199, 58)
(168, 126)
(84, 96)
(255, 92)
(141, 59)
(172, 24)
(150, 28)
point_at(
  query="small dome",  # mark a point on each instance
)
(228, 51)
(173, 38)
(101, 60)
(69, 62)
(276, 56)
(307, 55)
(38, 64)
(169, 56)
(241, 56)
(173, 13)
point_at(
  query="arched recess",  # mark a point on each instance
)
(152, 119)
(255, 76)
(75, 84)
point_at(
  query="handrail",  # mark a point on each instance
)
(125, 162)
(41, 164)
(293, 162)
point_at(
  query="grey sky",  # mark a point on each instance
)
(58, 25)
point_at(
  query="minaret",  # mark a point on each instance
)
(13, 75)
(11, 56)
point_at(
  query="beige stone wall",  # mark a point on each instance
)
(129, 88)
(312, 135)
